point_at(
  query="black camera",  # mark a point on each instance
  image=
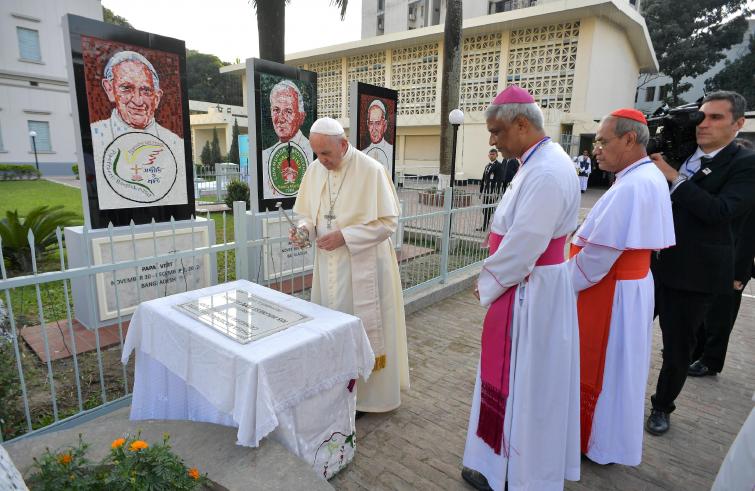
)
(672, 132)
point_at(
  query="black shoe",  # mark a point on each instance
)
(698, 369)
(475, 479)
(359, 414)
(479, 229)
(658, 422)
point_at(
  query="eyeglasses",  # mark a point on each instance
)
(600, 144)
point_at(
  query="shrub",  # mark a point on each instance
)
(42, 221)
(131, 464)
(12, 172)
(237, 191)
(75, 170)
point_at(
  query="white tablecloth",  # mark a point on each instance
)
(294, 380)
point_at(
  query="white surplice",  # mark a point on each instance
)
(541, 426)
(635, 213)
(361, 277)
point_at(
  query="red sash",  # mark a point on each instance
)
(494, 362)
(594, 306)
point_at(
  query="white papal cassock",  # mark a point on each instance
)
(634, 214)
(361, 277)
(541, 424)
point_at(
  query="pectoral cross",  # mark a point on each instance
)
(330, 217)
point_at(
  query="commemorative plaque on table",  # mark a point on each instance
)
(240, 315)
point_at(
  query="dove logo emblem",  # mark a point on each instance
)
(140, 167)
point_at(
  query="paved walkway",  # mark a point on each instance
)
(420, 445)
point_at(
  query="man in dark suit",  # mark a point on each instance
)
(496, 176)
(713, 336)
(714, 186)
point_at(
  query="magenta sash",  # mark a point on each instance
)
(494, 362)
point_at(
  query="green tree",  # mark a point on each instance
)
(206, 83)
(738, 75)
(111, 18)
(206, 156)
(233, 153)
(449, 91)
(271, 26)
(690, 36)
(215, 154)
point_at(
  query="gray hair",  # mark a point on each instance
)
(625, 125)
(122, 56)
(287, 85)
(738, 103)
(508, 113)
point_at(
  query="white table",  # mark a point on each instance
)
(293, 385)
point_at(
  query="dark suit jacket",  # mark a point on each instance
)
(705, 210)
(498, 175)
(744, 249)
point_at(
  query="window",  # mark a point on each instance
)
(28, 44)
(43, 136)
(380, 25)
(496, 6)
(650, 94)
(381, 5)
(2, 148)
(663, 94)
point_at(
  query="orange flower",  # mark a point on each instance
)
(65, 458)
(118, 443)
(194, 473)
(138, 445)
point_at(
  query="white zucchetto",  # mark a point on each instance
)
(327, 126)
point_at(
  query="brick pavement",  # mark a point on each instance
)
(420, 445)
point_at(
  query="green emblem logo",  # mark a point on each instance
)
(286, 168)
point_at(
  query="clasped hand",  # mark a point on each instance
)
(331, 241)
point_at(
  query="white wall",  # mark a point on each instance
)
(38, 91)
(606, 72)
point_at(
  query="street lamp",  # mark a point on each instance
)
(33, 135)
(456, 118)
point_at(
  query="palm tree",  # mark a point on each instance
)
(449, 92)
(271, 26)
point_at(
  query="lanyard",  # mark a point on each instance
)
(648, 161)
(537, 147)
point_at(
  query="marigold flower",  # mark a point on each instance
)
(194, 473)
(118, 443)
(65, 458)
(138, 445)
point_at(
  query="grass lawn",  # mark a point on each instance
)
(25, 195)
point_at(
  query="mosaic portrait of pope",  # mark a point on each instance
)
(138, 161)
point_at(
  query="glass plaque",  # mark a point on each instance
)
(240, 315)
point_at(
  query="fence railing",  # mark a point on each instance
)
(211, 183)
(55, 365)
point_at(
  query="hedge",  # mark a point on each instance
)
(12, 172)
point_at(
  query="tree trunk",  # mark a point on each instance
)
(271, 26)
(449, 93)
(674, 92)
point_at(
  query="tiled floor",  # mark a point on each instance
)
(59, 341)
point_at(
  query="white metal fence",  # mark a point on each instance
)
(48, 375)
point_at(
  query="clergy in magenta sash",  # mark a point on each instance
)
(524, 423)
(350, 209)
(609, 265)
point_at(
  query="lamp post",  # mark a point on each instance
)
(33, 135)
(456, 118)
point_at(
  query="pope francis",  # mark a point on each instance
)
(349, 209)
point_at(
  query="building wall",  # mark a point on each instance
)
(609, 69)
(37, 90)
(579, 66)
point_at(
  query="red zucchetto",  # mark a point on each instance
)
(632, 114)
